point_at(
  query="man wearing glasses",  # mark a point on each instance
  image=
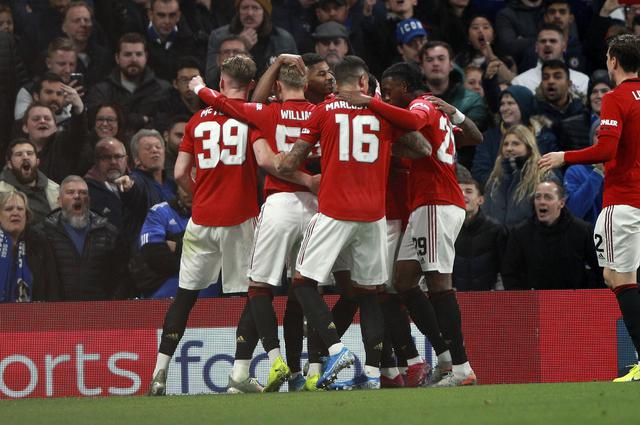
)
(112, 193)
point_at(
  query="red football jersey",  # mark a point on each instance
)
(356, 148)
(279, 123)
(617, 145)
(398, 190)
(226, 187)
(433, 178)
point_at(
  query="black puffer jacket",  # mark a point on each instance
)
(98, 273)
(560, 256)
(479, 250)
(137, 105)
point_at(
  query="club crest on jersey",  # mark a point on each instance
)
(612, 123)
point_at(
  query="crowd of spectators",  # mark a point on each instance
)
(94, 98)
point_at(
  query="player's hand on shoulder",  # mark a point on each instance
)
(441, 105)
(551, 160)
(354, 97)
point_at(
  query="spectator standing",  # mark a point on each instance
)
(61, 60)
(148, 152)
(90, 259)
(132, 84)
(180, 100)
(107, 120)
(512, 183)
(94, 58)
(27, 268)
(253, 23)
(173, 135)
(446, 82)
(553, 249)
(12, 76)
(169, 38)
(479, 245)
(410, 37)
(517, 26)
(112, 192)
(556, 101)
(517, 106)
(584, 184)
(550, 45)
(61, 152)
(22, 173)
(599, 85)
(332, 42)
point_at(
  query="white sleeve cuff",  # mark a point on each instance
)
(457, 118)
(199, 87)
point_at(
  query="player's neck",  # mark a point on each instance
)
(314, 97)
(621, 76)
(291, 95)
(348, 87)
(233, 93)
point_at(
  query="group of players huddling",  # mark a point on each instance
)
(387, 213)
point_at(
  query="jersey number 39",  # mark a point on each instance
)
(226, 143)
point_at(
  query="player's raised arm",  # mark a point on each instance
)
(470, 135)
(289, 162)
(396, 116)
(266, 160)
(240, 111)
(182, 171)
(265, 84)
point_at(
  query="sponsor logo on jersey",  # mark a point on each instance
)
(612, 123)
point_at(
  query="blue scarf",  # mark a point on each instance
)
(15, 277)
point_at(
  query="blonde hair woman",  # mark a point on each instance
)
(27, 268)
(512, 183)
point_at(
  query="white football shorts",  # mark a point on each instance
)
(279, 232)
(206, 250)
(617, 238)
(431, 235)
(361, 245)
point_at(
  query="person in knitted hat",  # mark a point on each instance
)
(252, 22)
(599, 85)
(517, 106)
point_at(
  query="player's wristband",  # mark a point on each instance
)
(458, 118)
(199, 87)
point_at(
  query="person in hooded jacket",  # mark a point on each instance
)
(517, 107)
(512, 183)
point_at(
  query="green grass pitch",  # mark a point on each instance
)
(541, 404)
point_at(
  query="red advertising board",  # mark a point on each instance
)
(109, 348)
